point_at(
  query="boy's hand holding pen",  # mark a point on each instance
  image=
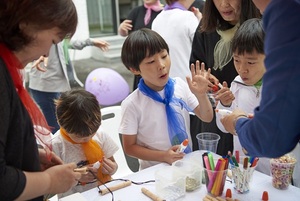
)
(223, 94)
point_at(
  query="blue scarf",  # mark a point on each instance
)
(176, 126)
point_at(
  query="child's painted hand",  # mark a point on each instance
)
(172, 155)
(199, 84)
(225, 95)
(109, 166)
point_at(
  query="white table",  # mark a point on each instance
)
(260, 182)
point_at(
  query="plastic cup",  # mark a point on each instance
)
(215, 181)
(193, 173)
(282, 170)
(242, 176)
(170, 183)
(208, 141)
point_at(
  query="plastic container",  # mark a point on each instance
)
(215, 181)
(282, 170)
(208, 141)
(192, 172)
(242, 175)
(170, 183)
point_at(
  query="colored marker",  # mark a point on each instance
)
(220, 85)
(265, 196)
(211, 161)
(253, 164)
(97, 164)
(245, 165)
(228, 193)
(237, 156)
(183, 146)
(223, 111)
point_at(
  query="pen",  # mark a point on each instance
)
(253, 164)
(220, 85)
(237, 156)
(223, 111)
(97, 164)
(183, 146)
(245, 165)
(211, 161)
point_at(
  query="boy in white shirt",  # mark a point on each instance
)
(81, 139)
(245, 90)
(155, 117)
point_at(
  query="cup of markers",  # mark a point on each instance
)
(242, 170)
(215, 173)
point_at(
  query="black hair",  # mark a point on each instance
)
(140, 44)
(249, 37)
(78, 112)
(213, 20)
(40, 14)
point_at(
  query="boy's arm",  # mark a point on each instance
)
(132, 149)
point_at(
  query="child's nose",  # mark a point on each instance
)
(162, 65)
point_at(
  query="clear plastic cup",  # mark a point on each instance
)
(208, 141)
(282, 170)
(242, 176)
(215, 181)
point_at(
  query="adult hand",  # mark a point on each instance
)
(229, 121)
(38, 63)
(125, 26)
(102, 44)
(62, 177)
(48, 160)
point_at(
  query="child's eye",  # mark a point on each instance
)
(150, 62)
(164, 56)
(251, 63)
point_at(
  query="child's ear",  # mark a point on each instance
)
(134, 71)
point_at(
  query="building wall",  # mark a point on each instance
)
(82, 31)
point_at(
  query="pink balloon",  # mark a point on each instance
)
(107, 85)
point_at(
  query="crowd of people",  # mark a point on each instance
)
(182, 51)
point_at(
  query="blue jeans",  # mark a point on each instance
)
(46, 102)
